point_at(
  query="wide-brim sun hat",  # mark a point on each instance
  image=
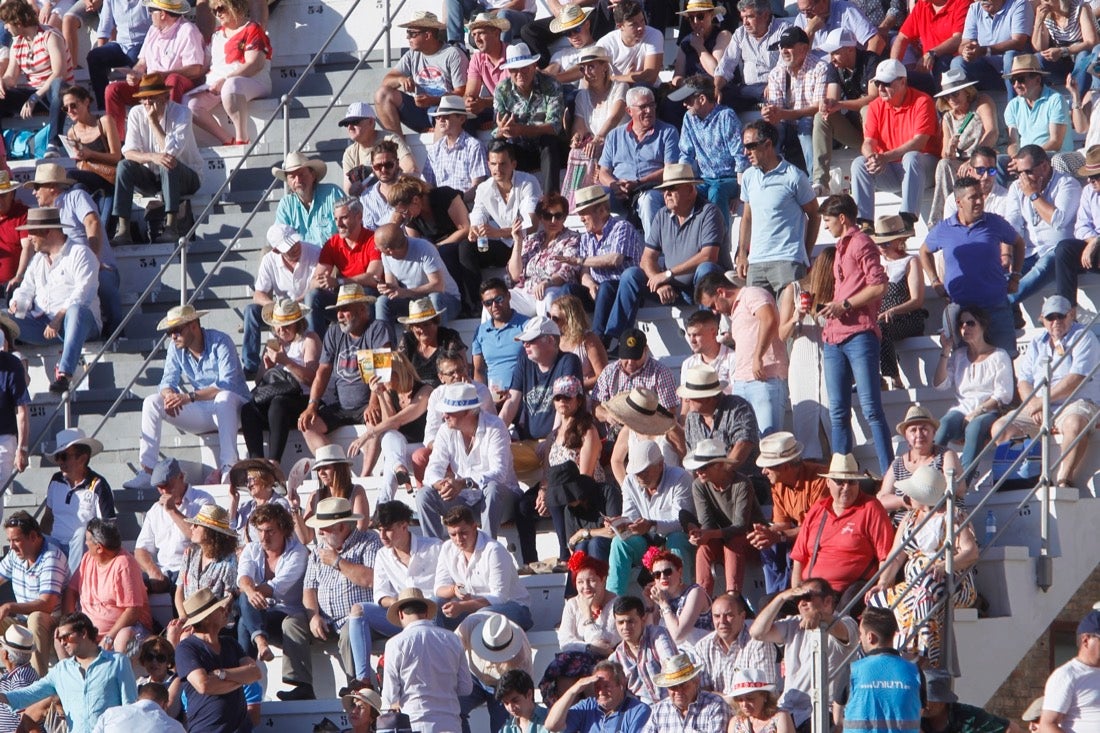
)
(677, 174)
(214, 518)
(332, 511)
(176, 7)
(570, 17)
(367, 695)
(459, 398)
(350, 294)
(926, 486)
(179, 315)
(7, 185)
(489, 20)
(778, 448)
(283, 312)
(891, 227)
(238, 473)
(1092, 162)
(451, 104)
(640, 411)
(702, 6)
(329, 455)
(201, 604)
(421, 310)
(74, 436)
(424, 20)
(952, 81)
(700, 382)
(589, 196)
(749, 680)
(916, 414)
(151, 85)
(844, 467)
(296, 161)
(49, 174)
(44, 217)
(676, 670)
(519, 56)
(1027, 63)
(705, 453)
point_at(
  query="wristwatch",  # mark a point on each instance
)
(1033, 196)
(847, 305)
(220, 674)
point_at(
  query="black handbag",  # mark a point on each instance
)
(275, 383)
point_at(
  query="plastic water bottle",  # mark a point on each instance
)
(990, 526)
(482, 244)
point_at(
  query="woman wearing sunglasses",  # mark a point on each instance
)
(158, 659)
(541, 267)
(682, 609)
(240, 71)
(969, 120)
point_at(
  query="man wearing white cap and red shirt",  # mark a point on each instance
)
(283, 274)
(528, 109)
(456, 159)
(901, 144)
(360, 121)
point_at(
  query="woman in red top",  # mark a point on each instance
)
(240, 71)
(39, 52)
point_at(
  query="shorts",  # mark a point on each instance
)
(412, 116)
(335, 416)
(1083, 409)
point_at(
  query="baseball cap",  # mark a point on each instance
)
(890, 70)
(632, 344)
(538, 326)
(357, 111)
(837, 39)
(791, 36)
(1056, 304)
(282, 237)
(1090, 624)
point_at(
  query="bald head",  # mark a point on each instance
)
(390, 239)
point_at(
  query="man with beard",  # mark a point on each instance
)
(309, 204)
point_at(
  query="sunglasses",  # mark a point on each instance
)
(64, 636)
(753, 145)
(451, 373)
(158, 658)
(562, 397)
(662, 573)
(72, 107)
(384, 166)
(554, 215)
(220, 10)
(981, 171)
(1022, 78)
(1094, 179)
(575, 31)
(882, 84)
(59, 457)
(174, 331)
(412, 33)
(498, 300)
(1052, 317)
(557, 319)
(967, 324)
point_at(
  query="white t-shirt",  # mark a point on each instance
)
(273, 278)
(421, 260)
(596, 117)
(627, 59)
(1074, 691)
(566, 58)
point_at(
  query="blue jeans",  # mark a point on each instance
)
(908, 176)
(253, 328)
(988, 71)
(1078, 66)
(387, 309)
(1041, 274)
(855, 362)
(318, 318)
(975, 434)
(289, 632)
(720, 192)
(768, 399)
(102, 59)
(494, 501)
(359, 632)
(481, 694)
(78, 326)
(633, 290)
(627, 554)
(776, 564)
(459, 11)
(606, 293)
(515, 612)
(110, 301)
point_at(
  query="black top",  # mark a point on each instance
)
(226, 713)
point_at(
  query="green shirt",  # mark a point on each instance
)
(536, 726)
(968, 719)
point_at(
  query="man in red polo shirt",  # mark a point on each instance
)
(901, 144)
(935, 27)
(348, 256)
(846, 535)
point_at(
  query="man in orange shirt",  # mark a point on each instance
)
(901, 143)
(796, 486)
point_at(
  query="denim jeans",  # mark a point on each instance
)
(776, 564)
(1002, 325)
(642, 206)
(1041, 274)
(291, 632)
(78, 326)
(606, 292)
(1078, 67)
(494, 501)
(768, 399)
(171, 183)
(253, 329)
(907, 176)
(720, 192)
(1067, 258)
(387, 309)
(975, 435)
(101, 60)
(482, 694)
(110, 300)
(855, 362)
(318, 318)
(988, 71)
(515, 612)
(627, 554)
(633, 290)
(362, 630)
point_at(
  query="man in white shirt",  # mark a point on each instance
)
(476, 572)
(751, 50)
(57, 300)
(730, 647)
(636, 50)
(413, 269)
(507, 195)
(452, 369)
(476, 449)
(1071, 699)
(283, 274)
(165, 532)
(159, 156)
(406, 560)
(426, 670)
(147, 715)
(701, 332)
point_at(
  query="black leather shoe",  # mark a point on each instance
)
(300, 692)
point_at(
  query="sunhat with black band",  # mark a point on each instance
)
(677, 174)
(495, 639)
(700, 382)
(404, 598)
(640, 410)
(952, 81)
(570, 17)
(18, 639)
(916, 414)
(706, 452)
(238, 473)
(329, 455)
(589, 196)
(49, 174)
(451, 104)
(844, 467)
(44, 217)
(201, 604)
(334, 510)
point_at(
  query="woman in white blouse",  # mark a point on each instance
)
(600, 104)
(981, 376)
(587, 623)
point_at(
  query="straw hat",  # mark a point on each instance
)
(952, 81)
(844, 468)
(421, 310)
(283, 312)
(329, 455)
(459, 397)
(748, 681)
(49, 174)
(350, 294)
(201, 604)
(1034, 711)
(152, 85)
(489, 20)
(777, 449)
(640, 410)
(589, 196)
(570, 16)
(176, 7)
(331, 511)
(367, 695)
(700, 382)
(424, 20)
(213, 517)
(238, 473)
(495, 639)
(18, 639)
(926, 486)
(914, 414)
(518, 56)
(74, 436)
(404, 598)
(1092, 162)
(676, 670)
(591, 54)
(179, 315)
(889, 228)
(676, 174)
(6, 185)
(298, 160)
(44, 217)
(705, 453)
(451, 104)
(702, 6)
(1027, 63)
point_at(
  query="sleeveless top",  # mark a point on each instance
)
(1070, 33)
(582, 354)
(560, 454)
(294, 351)
(413, 431)
(440, 226)
(692, 65)
(970, 137)
(744, 725)
(33, 56)
(704, 622)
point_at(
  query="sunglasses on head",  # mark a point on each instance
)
(490, 302)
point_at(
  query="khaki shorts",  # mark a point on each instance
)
(1078, 408)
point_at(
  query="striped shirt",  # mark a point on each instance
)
(721, 663)
(655, 645)
(804, 88)
(458, 165)
(653, 375)
(619, 237)
(33, 56)
(45, 576)
(21, 676)
(708, 713)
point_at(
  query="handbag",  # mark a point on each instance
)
(275, 383)
(106, 171)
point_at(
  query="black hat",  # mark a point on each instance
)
(566, 484)
(789, 37)
(632, 344)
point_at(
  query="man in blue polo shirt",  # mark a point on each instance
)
(609, 705)
(994, 32)
(779, 227)
(495, 349)
(982, 259)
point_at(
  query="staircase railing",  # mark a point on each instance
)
(282, 111)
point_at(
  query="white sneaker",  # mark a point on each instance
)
(142, 481)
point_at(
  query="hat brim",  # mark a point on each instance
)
(478, 647)
(330, 462)
(769, 461)
(902, 426)
(1011, 74)
(198, 617)
(184, 10)
(424, 25)
(344, 123)
(679, 95)
(578, 208)
(28, 227)
(658, 423)
(884, 238)
(60, 182)
(352, 301)
(717, 10)
(556, 26)
(315, 523)
(151, 92)
(843, 476)
(93, 444)
(701, 394)
(440, 112)
(957, 87)
(165, 323)
(748, 691)
(1084, 171)
(666, 680)
(395, 608)
(920, 493)
(319, 167)
(238, 473)
(199, 522)
(267, 315)
(367, 695)
(692, 464)
(409, 320)
(679, 182)
(521, 64)
(501, 24)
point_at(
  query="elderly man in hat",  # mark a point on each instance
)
(654, 495)
(686, 700)
(796, 485)
(456, 159)
(57, 299)
(1070, 701)
(943, 713)
(284, 274)
(849, 534)
(726, 508)
(38, 572)
(1037, 114)
(634, 155)
(761, 362)
(338, 586)
(494, 646)
(82, 225)
(362, 136)
(686, 241)
(635, 367)
(309, 204)
(528, 108)
(901, 143)
(426, 671)
(159, 155)
(413, 269)
(88, 679)
(428, 71)
(793, 95)
(16, 648)
(1072, 375)
(350, 255)
(165, 533)
(340, 359)
(172, 49)
(75, 493)
(471, 465)
(214, 668)
(711, 413)
(780, 220)
(202, 390)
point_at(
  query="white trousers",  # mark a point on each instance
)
(223, 413)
